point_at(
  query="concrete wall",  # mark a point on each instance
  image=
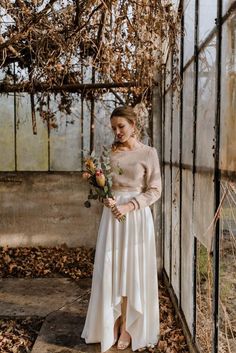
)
(46, 209)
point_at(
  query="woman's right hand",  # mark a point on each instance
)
(109, 202)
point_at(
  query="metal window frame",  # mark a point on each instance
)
(219, 174)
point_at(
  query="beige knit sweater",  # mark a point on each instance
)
(137, 170)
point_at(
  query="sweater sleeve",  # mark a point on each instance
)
(153, 182)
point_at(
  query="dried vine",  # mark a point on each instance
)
(53, 43)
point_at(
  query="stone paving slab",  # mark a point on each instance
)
(61, 331)
(61, 301)
(20, 297)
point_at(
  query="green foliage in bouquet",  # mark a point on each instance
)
(98, 174)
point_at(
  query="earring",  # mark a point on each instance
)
(133, 134)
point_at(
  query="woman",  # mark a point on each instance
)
(124, 304)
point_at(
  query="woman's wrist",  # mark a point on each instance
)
(131, 205)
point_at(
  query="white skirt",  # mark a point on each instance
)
(125, 265)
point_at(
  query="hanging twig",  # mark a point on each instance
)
(34, 125)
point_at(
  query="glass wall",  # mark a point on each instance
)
(60, 139)
(199, 158)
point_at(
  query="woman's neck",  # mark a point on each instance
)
(130, 144)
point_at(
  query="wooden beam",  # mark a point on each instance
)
(73, 87)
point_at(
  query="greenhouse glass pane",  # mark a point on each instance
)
(187, 248)
(203, 208)
(207, 16)
(175, 4)
(103, 132)
(204, 327)
(206, 106)
(226, 5)
(228, 97)
(167, 132)
(86, 124)
(7, 145)
(167, 220)
(175, 207)
(205, 135)
(32, 150)
(168, 72)
(175, 122)
(189, 23)
(65, 138)
(227, 309)
(187, 129)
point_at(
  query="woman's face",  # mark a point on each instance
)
(122, 128)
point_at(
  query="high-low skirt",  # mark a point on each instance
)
(125, 265)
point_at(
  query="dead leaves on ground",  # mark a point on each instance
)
(18, 336)
(172, 339)
(45, 262)
(75, 263)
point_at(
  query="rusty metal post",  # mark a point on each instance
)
(92, 116)
(194, 161)
(216, 244)
(180, 153)
(157, 142)
(15, 123)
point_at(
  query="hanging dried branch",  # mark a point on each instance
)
(121, 40)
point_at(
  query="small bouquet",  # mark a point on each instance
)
(98, 174)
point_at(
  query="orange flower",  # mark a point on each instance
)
(90, 165)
